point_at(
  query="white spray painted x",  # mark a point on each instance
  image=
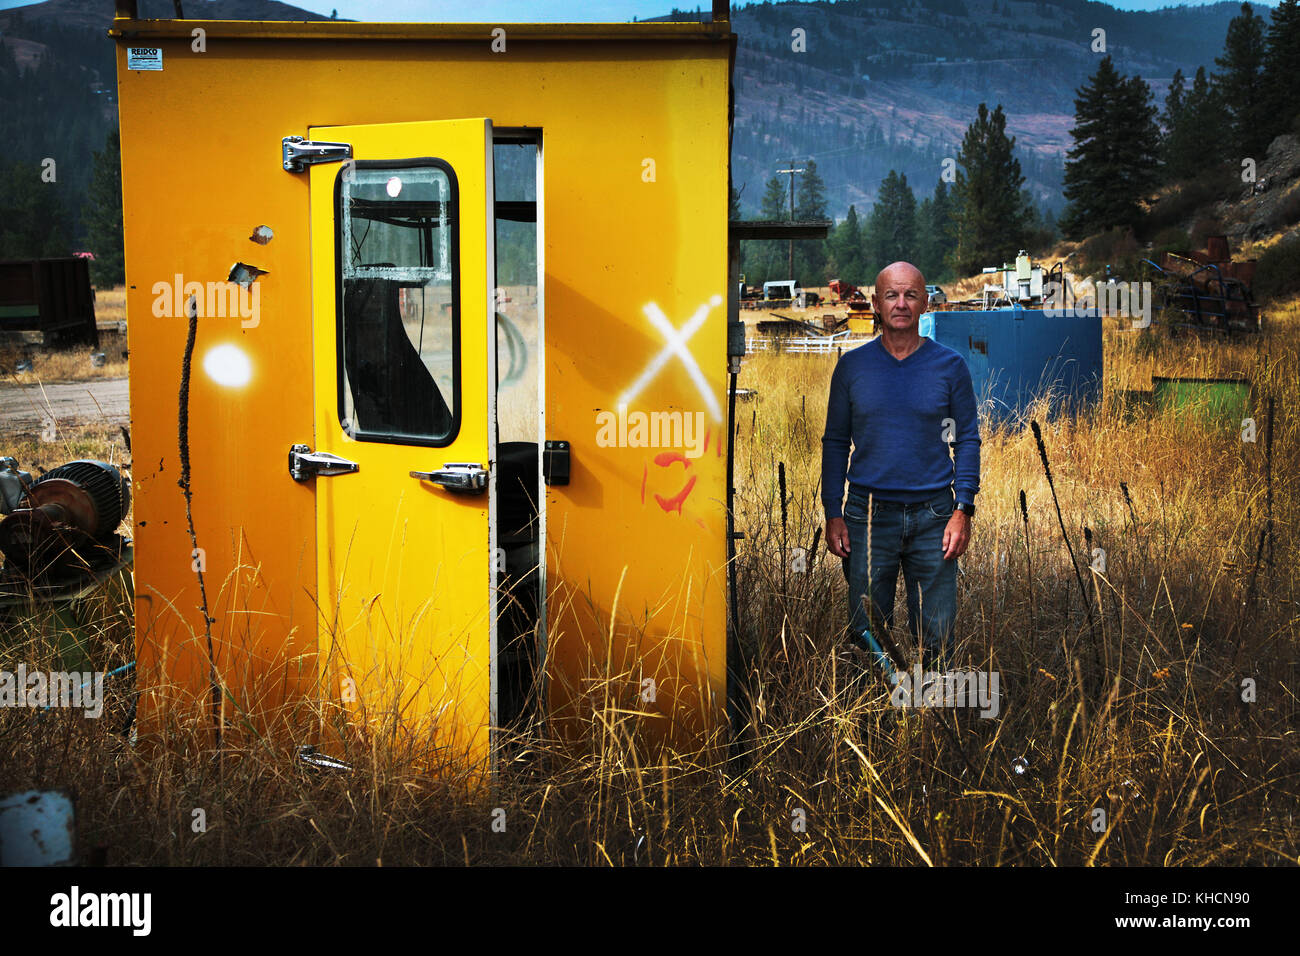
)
(675, 344)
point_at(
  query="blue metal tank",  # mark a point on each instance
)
(1016, 355)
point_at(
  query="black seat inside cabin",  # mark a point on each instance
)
(393, 390)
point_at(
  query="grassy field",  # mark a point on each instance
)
(64, 365)
(1161, 692)
(1138, 712)
(72, 365)
(110, 304)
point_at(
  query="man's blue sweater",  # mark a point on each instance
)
(894, 412)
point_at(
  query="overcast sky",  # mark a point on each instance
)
(523, 11)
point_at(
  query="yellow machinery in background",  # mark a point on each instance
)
(438, 301)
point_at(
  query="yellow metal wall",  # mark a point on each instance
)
(201, 170)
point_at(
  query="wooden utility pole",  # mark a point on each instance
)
(792, 170)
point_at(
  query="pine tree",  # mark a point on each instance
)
(1241, 84)
(1175, 102)
(1196, 130)
(1282, 67)
(104, 216)
(766, 258)
(810, 203)
(924, 213)
(1207, 119)
(892, 228)
(1112, 166)
(989, 216)
(845, 250)
(33, 218)
(810, 197)
(934, 226)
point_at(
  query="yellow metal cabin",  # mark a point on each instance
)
(458, 296)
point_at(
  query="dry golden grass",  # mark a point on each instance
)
(50, 366)
(1138, 712)
(74, 364)
(969, 287)
(99, 442)
(110, 305)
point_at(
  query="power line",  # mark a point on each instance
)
(792, 170)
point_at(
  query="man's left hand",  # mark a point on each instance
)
(956, 536)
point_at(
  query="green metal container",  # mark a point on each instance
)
(1217, 401)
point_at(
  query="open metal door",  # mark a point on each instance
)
(402, 272)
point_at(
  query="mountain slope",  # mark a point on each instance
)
(894, 85)
(882, 84)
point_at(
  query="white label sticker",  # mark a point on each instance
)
(143, 58)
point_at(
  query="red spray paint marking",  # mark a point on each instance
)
(645, 470)
(708, 429)
(675, 502)
(666, 458)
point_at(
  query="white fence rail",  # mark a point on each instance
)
(806, 344)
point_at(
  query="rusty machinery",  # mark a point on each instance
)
(63, 524)
(1211, 291)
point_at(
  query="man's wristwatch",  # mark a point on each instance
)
(968, 508)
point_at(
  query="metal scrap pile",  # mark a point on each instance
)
(1212, 292)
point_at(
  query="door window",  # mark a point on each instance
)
(398, 309)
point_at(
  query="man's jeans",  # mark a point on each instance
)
(885, 536)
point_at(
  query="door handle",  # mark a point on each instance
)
(305, 463)
(457, 476)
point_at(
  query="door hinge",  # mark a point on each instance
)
(300, 153)
(457, 476)
(305, 463)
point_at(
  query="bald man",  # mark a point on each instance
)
(901, 399)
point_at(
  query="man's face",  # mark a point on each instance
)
(900, 298)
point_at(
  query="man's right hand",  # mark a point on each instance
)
(837, 537)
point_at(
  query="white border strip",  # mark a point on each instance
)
(490, 223)
(543, 695)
